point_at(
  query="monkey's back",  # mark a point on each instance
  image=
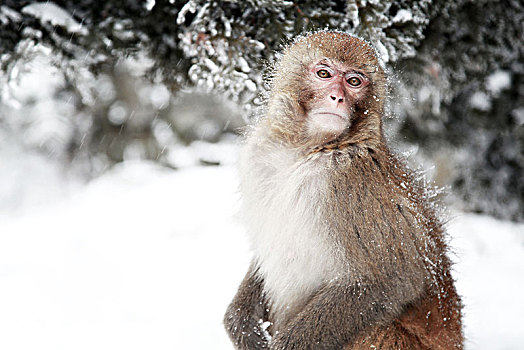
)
(422, 326)
(389, 219)
(434, 321)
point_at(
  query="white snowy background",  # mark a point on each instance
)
(148, 258)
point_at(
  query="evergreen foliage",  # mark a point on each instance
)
(459, 67)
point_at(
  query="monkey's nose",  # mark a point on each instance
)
(335, 97)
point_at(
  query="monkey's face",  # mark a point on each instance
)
(330, 96)
(328, 86)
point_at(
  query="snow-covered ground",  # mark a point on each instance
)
(148, 258)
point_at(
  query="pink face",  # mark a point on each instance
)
(336, 90)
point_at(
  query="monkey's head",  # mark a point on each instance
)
(328, 87)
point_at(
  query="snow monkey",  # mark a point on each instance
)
(348, 250)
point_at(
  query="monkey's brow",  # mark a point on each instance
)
(360, 72)
(367, 66)
(329, 61)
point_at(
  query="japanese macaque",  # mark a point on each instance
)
(348, 251)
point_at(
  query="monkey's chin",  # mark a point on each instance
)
(327, 124)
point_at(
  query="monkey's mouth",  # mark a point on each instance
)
(323, 121)
(344, 117)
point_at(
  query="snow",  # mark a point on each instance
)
(140, 258)
(150, 4)
(146, 257)
(49, 12)
(480, 101)
(490, 275)
(518, 116)
(7, 15)
(498, 81)
(402, 16)
(244, 66)
(190, 6)
(383, 53)
(352, 9)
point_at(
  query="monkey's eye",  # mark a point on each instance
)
(323, 73)
(354, 81)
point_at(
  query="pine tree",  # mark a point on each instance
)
(458, 70)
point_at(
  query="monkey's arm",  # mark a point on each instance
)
(339, 312)
(247, 311)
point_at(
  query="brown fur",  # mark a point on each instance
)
(396, 291)
(421, 327)
(243, 314)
